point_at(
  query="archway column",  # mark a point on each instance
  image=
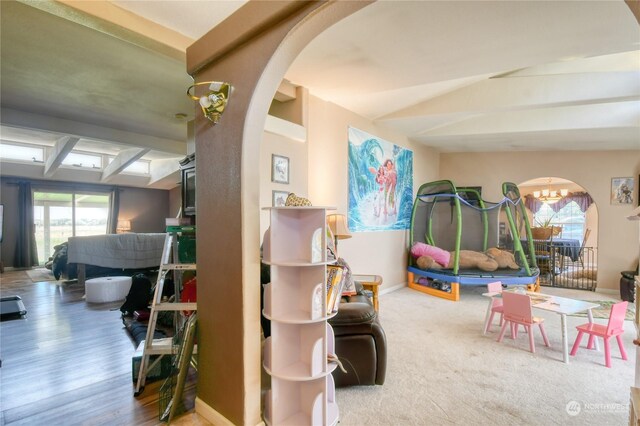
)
(252, 49)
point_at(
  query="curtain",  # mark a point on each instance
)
(532, 203)
(582, 199)
(114, 208)
(26, 254)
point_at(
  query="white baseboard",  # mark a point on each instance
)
(608, 291)
(212, 416)
(394, 288)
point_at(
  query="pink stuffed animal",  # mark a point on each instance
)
(441, 257)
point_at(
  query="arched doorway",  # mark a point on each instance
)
(253, 56)
(564, 221)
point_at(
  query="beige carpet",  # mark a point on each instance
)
(442, 370)
(604, 310)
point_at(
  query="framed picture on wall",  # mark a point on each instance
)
(279, 198)
(622, 190)
(279, 169)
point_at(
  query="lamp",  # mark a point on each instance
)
(214, 101)
(123, 226)
(548, 196)
(338, 225)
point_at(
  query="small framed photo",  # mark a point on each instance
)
(279, 198)
(622, 190)
(279, 169)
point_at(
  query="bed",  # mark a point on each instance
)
(100, 255)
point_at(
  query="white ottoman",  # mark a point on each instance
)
(107, 289)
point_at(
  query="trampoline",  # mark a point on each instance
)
(456, 219)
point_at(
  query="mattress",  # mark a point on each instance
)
(124, 251)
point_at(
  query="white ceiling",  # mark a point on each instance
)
(453, 75)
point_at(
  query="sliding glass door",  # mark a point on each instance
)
(60, 215)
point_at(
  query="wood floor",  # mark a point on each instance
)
(69, 362)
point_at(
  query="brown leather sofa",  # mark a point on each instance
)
(360, 342)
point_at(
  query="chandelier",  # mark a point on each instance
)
(550, 196)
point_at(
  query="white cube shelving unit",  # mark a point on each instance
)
(295, 355)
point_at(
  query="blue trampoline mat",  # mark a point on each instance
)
(479, 277)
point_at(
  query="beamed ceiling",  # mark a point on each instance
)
(456, 76)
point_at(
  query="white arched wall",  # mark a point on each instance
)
(593, 170)
(251, 50)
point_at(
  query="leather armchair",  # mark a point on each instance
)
(360, 342)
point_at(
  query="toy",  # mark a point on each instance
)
(505, 259)
(431, 257)
(294, 201)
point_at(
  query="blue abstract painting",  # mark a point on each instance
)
(380, 184)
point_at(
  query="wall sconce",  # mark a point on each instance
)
(123, 226)
(214, 101)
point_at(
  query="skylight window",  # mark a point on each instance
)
(21, 152)
(140, 167)
(86, 161)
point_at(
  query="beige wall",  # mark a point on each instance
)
(382, 253)
(618, 238)
(297, 152)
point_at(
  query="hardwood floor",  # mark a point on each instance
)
(69, 362)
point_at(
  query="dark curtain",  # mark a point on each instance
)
(114, 208)
(583, 200)
(26, 254)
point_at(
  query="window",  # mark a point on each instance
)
(140, 167)
(21, 152)
(570, 218)
(60, 215)
(77, 159)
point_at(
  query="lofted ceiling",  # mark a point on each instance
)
(456, 76)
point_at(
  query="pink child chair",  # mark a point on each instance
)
(613, 328)
(517, 311)
(496, 303)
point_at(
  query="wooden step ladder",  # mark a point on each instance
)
(168, 264)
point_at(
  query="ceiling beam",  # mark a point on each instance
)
(26, 120)
(597, 116)
(122, 161)
(515, 93)
(286, 92)
(161, 169)
(63, 146)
